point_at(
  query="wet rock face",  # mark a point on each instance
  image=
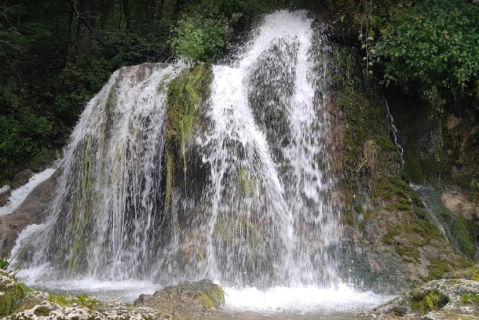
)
(4, 195)
(438, 299)
(22, 178)
(196, 299)
(32, 211)
(458, 202)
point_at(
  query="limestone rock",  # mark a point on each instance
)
(457, 201)
(186, 300)
(437, 299)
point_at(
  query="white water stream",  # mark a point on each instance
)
(259, 217)
(19, 195)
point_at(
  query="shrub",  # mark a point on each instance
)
(434, 44)
(201, 34)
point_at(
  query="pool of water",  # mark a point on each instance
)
(282, 303)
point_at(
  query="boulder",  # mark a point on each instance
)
(186, 300)
(437, 299)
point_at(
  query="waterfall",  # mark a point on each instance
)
(393, 130)
(110, 193)
(258, 205)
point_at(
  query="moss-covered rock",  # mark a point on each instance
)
(438, 299)
(186, 93)
(186, 300)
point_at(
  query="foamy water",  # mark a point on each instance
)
(276, 300)
(301, 300)
(19, 195)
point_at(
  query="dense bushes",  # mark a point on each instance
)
(434, 46)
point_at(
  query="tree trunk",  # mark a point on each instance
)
(126, 10)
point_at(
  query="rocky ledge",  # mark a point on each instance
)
(455, 297)
(185, 301)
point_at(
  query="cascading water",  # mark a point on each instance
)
(258, 204)
(393, 130)
(109, 198)
(271, 219)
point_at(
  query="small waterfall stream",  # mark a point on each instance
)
(260, 213)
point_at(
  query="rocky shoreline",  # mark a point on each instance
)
(184, 301)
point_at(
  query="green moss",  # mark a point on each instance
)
(12, 299)
(389, 188)
(466, 298)
(388, 238)
(424, 303)
(213, 298)
(464, 238)
(436, 270)
(409, 253)
(110, 106)
(82, 300)
(413, 170)
(42, 311)
(61, 300)
(386, 143)
(358, 208)
(475, 276)
(365, 119)
(464, 181)
(245, 182)
(415, 198)
(185, 95)
(411, 237)
(348, 217)
(86, 302)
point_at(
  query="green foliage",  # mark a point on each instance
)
(201, 35)
(185, 95)
(431, 301)
(466, 298)
(436, 270)
(47, 74)
(11, 300)
(4, 263)
(463, 235)
(434, 44)
(82, 300)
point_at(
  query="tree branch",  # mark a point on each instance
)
(80, 17)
